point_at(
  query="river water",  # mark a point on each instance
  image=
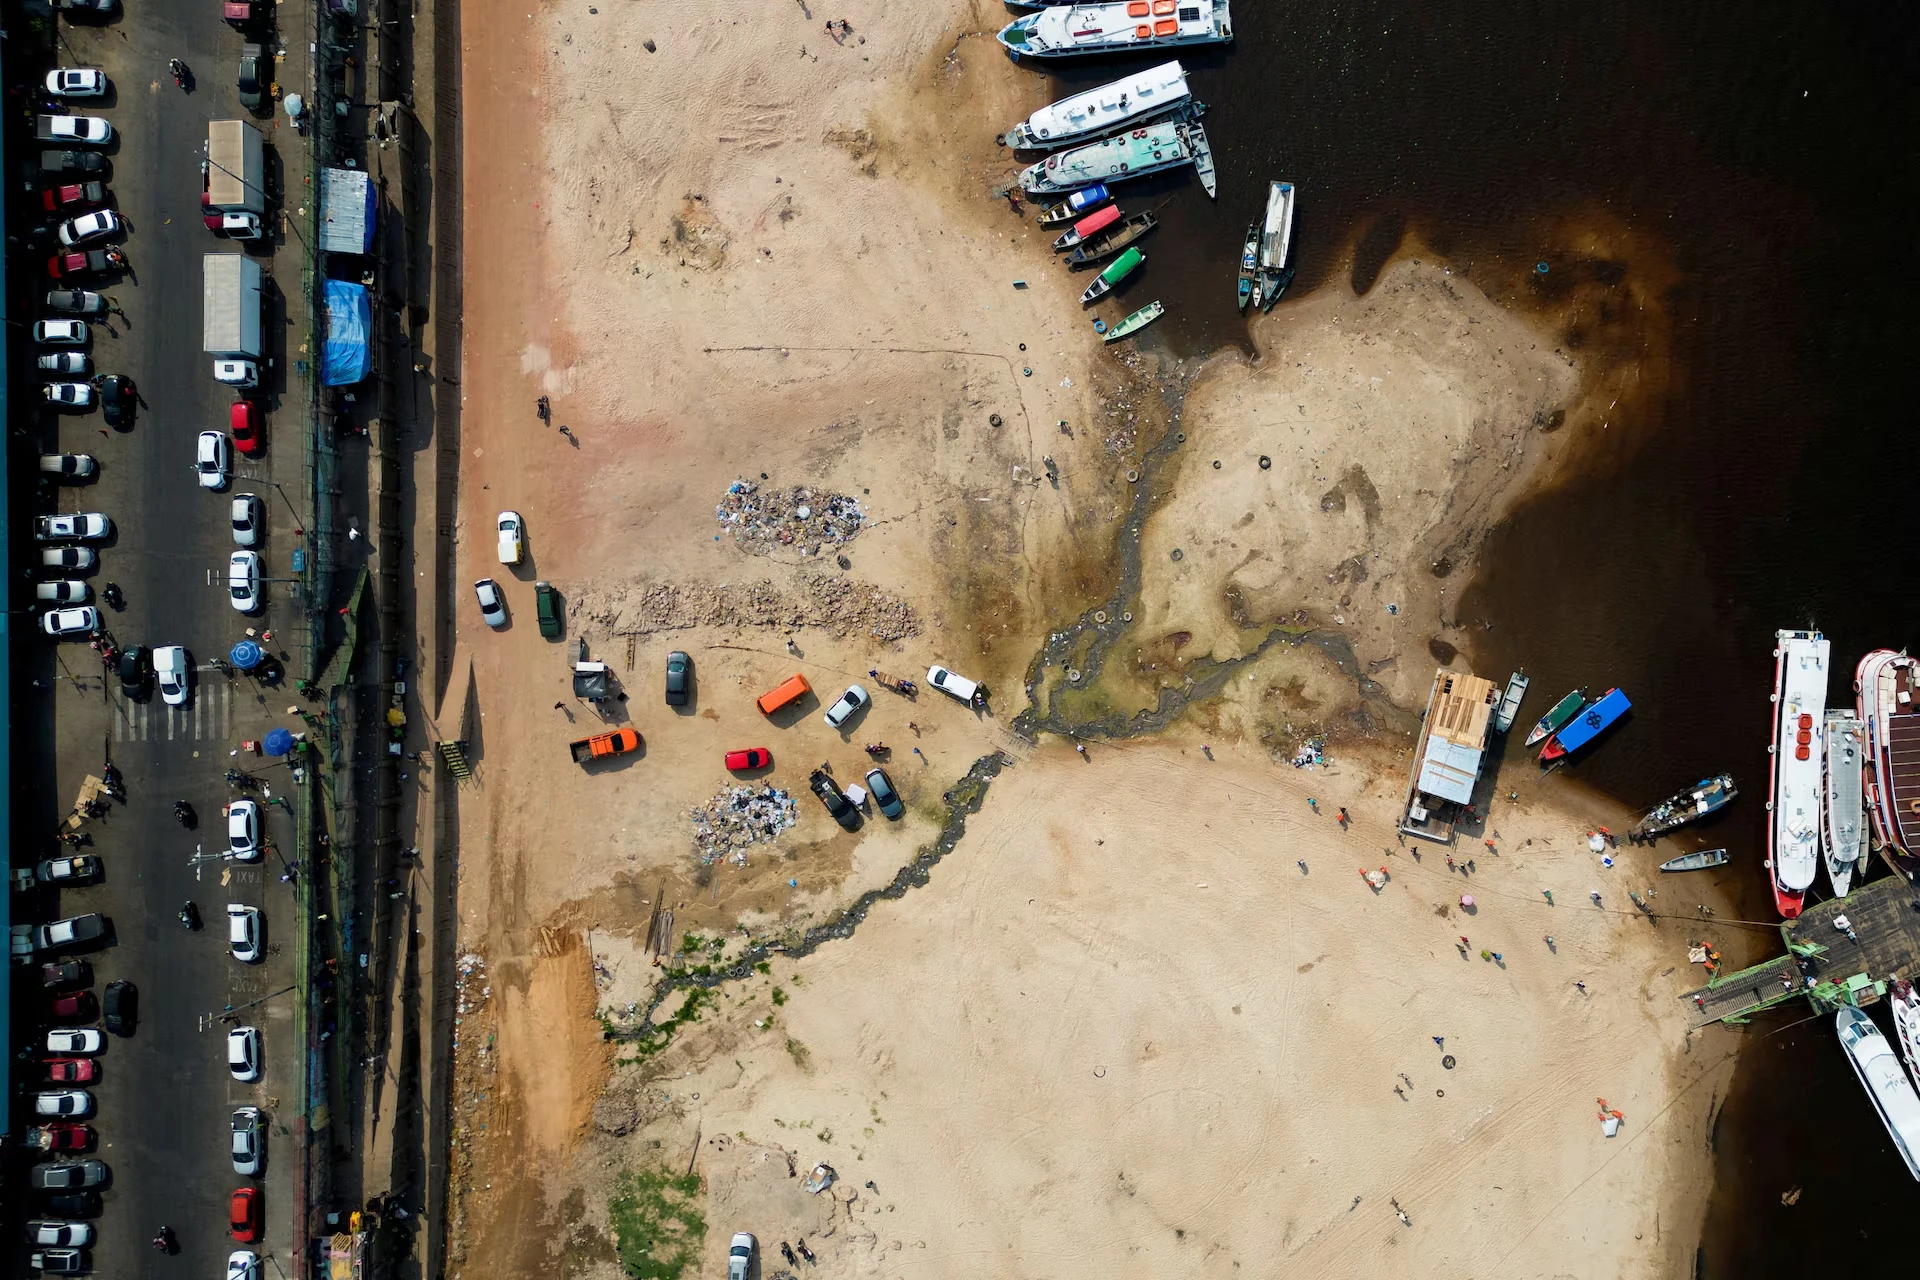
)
(1761, 160)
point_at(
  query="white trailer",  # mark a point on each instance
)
(236, 168)
(231, 306)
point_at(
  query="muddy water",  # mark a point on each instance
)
(1761, 163)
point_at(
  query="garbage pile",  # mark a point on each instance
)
(1311, 753)
(738, 817)
(803, 519)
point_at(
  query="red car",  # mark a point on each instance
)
(65, 1135)
(78, 1007)
(244, 421)
(73, 194)
(80, 262)
(71, 1070)
(243, 1214)
(751, 758)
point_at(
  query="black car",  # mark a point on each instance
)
(74, 1204)
(70, 976)
(252, 77)
(72, 162)
(679, 678)
(135, 668)
(118, 397)
(885, 798)
(837, 804)
(120, 1006)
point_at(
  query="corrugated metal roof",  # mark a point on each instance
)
(1449, 770)
(346, 211)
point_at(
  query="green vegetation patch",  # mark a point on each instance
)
(657, 1226)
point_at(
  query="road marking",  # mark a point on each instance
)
(173, 718)
(200, 716)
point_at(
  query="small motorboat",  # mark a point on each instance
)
(1098, 220)
(1592, 721)
(1702, 798)
(1557, 715)
(1135, 322)
(1249, 263)
(1698, 860)
(1077, 205)
(1111, 241)
(1510, 702)
(1117, 270)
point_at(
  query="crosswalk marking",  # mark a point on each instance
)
(208, 718)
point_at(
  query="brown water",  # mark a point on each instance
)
(1757, 168)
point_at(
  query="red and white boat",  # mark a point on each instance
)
(1885, 685)
(1795, 799)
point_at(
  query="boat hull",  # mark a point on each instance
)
(1077, 205)
(1794, 763)
(1905, 1002)
(1510, 702)
(1893, 748)
(1117, 271)
(1594, 720)
(1843, 825)
(1705, 797)
(1112, 241)
(1134, 323)
(1088, 115)
(1557, 715)
(1087, 30)
(1891, 1093)
(1699, 860)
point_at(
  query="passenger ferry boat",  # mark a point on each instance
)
(1879, 1071)
(1097, 111)
(1121, 26)
(1165, 144)
(1885, 685)
(1794, 799)
(1845, 825)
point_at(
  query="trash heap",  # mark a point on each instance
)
(738, 817)
(1311, 752)
(806, 520)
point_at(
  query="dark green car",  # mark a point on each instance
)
(546, 603)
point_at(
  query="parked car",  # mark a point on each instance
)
(513, 540)
(249, 1142)
(62, 1102)
(679, 678)
(73, 363)
(251, 78)
(248, 519)
(72, 1040)
(749, 758)
(740, 1256)
(70, 82)
(134, 666)
(243, 581)
(243, 1214)
(68, 395)
(65, 975)
(70, 624)
(92, 130)
(68, 466)
(68, 559)
(170, 667)
(62, 591)
(70, 1070)
(213, 461)
(75, 1204)
(68, 1175)
(243, 1264)
(243, 420)
(79, 302)
(243, 932)
(102, 7)
(62, 1135)
(118, 399)
(85, 262)
(73, 195)
(74, 931)
(851, 701)
(493, 606)
(243, 830)
(75, 1006)
(243, 1053)
(59, 162)
(59, 1262)
(823, 785)
(97, 225)
(82, 526)
(75, 870)
(953, 685)
(46, 1231)
(62, 333)
(236, 373)
(235, 226)
(546, 607)
(241, 14)
(120, 1008)
(885, 798)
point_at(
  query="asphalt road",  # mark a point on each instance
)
(166, 1097)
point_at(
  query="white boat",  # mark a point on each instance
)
(1879, 1071)
(1148, 148)
(1794, 801)
(1510, 703)
(1905, 1003)
(1119, 26)
(1098, 111)
(1846, 837)
(1276, 237)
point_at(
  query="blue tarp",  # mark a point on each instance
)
(348, 354)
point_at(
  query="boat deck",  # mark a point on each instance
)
(1903, 757)
(1888, 931)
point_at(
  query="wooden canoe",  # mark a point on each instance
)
(1112, 240)
(1698, 860)
(1135, 322)
(1118, 270)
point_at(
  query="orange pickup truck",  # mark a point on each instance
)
(604, 746)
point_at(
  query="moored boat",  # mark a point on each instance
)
(1794, 800)
(1886, 685)
(1077, 205)
(1274, 284)
(1905, 1002)
(1117, 270)
(1134, 323)
(1698, 860)
(1592, 721)
(1510, 701)
(1151, 148)
(1844, 825)
(1697, 801)
(1276, 233)
(1558, 714)
(1112, 240)
(1887, 1086)
(1249, 263)
(1120, 26)
(1098, 220)
(1111, 106)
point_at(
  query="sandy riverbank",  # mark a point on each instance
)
(757, 252)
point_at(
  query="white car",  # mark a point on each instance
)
(84, 526)
(236, 373)
(46, 1231)
(62, 333)
(67, 362)
(70, 395)
(513, 537)
(243, 830)
(67, 558)
(249, 518)
(851, 701)
(89, 226)
(249, 1139)
(64, 591)
(72, 1040)
(68, 82)
(68, 466)
(241, 226)
(63, 1103)
(243, 1264)
(493, 605)
(78, 129)
(243, 1058)
(170, 668)
(740, 1256)
(65, 623)
(243, 932)
(214, 460)
(953, 684)
(243, 581)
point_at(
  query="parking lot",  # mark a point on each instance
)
(164, 1095)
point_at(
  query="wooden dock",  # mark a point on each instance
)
(1844, 968)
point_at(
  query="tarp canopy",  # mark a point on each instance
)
(279, 742)
(246, 655)
(346, 211)
(348, 354)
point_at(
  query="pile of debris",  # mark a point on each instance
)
(1311, 752)
(801, 518)
(738, 817)
(834, 602)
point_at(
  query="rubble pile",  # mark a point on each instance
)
(738, 817)
(830, 601)
(800, 518)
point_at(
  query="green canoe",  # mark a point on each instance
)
(1135, 322)
(1114, 274)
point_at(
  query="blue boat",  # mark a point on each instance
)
(1076, 204)
(1588, 725)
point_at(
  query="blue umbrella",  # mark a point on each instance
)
(279, 742)
(246, 655)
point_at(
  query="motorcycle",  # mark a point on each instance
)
(245, 781)
(190, 916)
(111, 594)
(184, 814)
(163, 1240)
(179, 70)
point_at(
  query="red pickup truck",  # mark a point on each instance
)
(604, 746)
